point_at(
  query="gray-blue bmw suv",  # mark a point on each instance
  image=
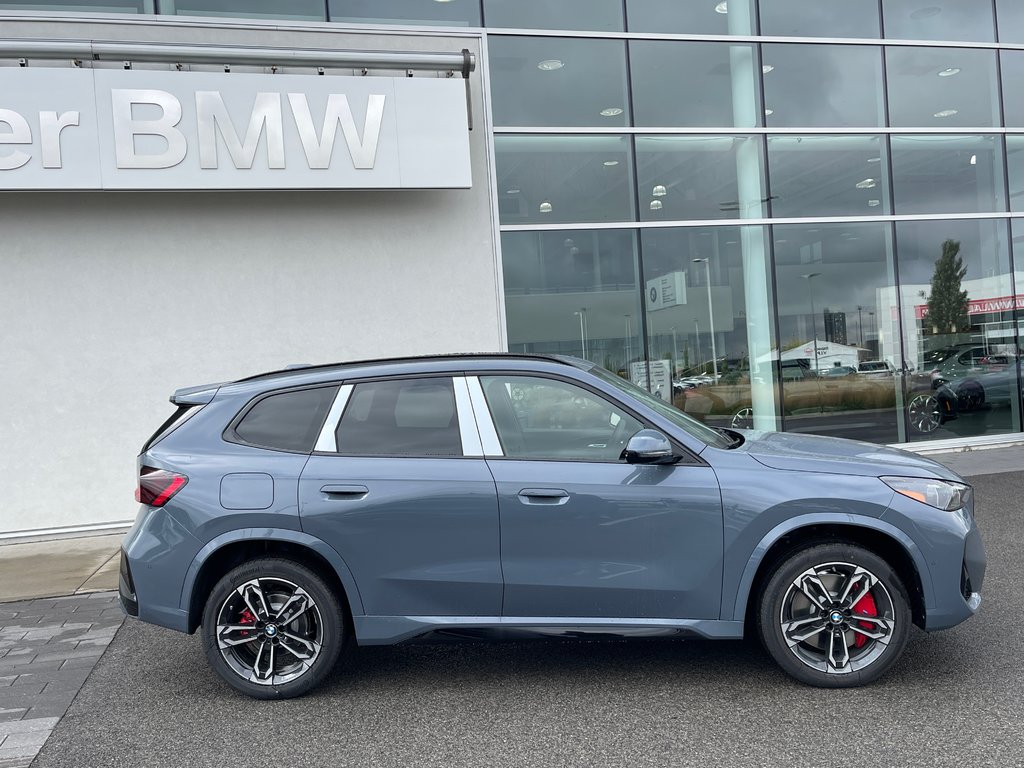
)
(293, 512)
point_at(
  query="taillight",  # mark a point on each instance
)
(157, 486)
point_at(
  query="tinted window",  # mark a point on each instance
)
(408, 417)
(548, 419)
(289, 421)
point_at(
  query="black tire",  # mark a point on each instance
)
(317, 629)
(818, 659)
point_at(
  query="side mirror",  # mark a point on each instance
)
(649, 446)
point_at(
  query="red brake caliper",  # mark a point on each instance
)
(866, 607)
(248, 618)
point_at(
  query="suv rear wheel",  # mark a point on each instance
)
(834, 616)
(272, 629)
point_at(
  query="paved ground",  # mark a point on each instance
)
(953, 700)
(48, 647)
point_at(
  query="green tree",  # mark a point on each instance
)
(947, 305)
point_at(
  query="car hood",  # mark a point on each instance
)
(813, 453)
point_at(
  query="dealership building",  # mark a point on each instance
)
(736, 204)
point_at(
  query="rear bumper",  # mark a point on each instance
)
(126, 588)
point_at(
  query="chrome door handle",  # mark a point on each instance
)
(550, 496)
(345, 491)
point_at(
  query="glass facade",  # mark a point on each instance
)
(779, 214)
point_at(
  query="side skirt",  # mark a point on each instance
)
(388, 630)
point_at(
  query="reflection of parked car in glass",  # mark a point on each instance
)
(839, 370)
(876, 369)
(996, 382)
(956, 363)
(802, 392)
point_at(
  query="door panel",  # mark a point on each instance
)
(421, 540)
(609, 540)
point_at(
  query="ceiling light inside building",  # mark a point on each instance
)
(549, 65)
(946, 113)
(874, 159)
(949, 72)
(545, 207)
(769, 112)
(656, 205)
(722, 7)
(874, 203)
(659, 190)
(512, 191)
(611, 112)
(926, 13)
(766, 68)
(974, 159)
(610, 163)
(867, 184)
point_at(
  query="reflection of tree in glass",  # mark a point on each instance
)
(947, 305)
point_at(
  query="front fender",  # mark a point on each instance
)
(803, 521)
(273, 534)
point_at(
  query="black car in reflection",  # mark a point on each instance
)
(728, 401)
(995, 383)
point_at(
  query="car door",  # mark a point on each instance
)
(583, 533)
(400, 489)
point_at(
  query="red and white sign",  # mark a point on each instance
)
(981, 306)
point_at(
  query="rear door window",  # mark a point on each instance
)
(404, 417)
(286, 421)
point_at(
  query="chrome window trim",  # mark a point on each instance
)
(328, 441)
(489, 441)
(468, 429)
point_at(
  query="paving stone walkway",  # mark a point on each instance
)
(48, 647)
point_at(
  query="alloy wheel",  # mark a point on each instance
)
(925, 413)
(269, 631)
(837, 618)
(743, 418)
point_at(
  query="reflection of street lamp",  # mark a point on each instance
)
(582, 314)
(711, 316)
(860, 325)
(629, 340)
(675, 351)
(814, 320)
(700, 352)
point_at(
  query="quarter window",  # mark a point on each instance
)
(287, 421)
(548, 419)
(406, 417)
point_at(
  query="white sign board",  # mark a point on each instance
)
(661, 378)
(139, 129)
(666, 291)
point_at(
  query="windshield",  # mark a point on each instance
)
(690, 425)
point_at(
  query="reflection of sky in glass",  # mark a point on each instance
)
(677, 83)
(822, 18)
(938, 19)
(593, 15)
(823, 85)
(696, 177)
(828, 176)
(853, 262)
(687, 17)
(558, 81)
(449, 13)
(947, 174)
(941, 87)
(549, 179)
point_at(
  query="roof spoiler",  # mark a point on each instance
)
(200, 395)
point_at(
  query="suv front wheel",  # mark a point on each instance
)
(834, 616)
(272, 629)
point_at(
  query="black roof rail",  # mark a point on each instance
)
(296, 369)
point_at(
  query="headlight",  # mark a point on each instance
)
(941, 494)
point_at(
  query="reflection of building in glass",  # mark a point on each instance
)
(835, 326)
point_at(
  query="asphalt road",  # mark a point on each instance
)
(955, 699)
